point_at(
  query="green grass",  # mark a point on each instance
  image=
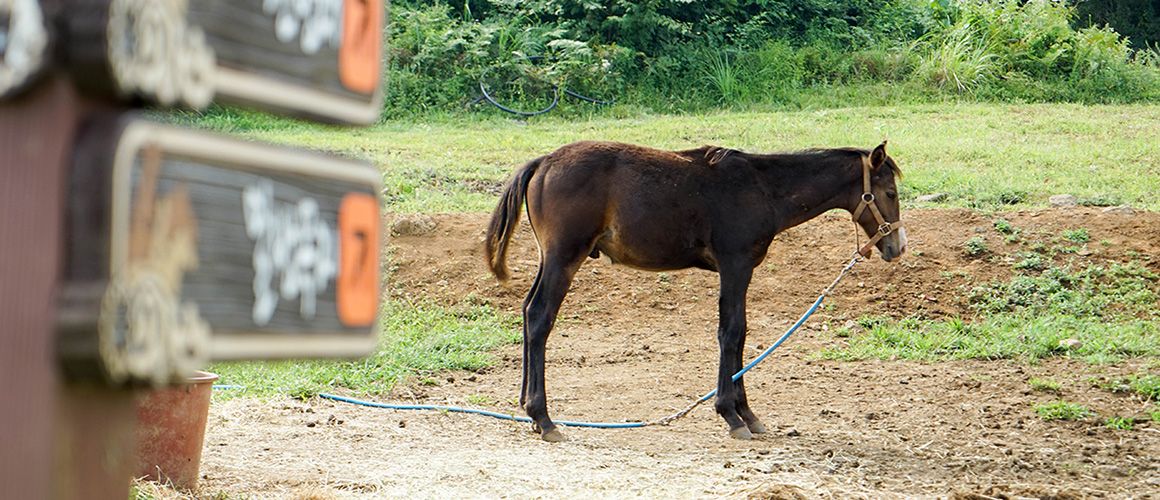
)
(1062, 410)
(1077, 235)
(1044, 384)
(416, 340)
(975, 246)
(1121, 423)
(1145, 385)
(1112, 290)
(991, 157)
(1025, 337)
(1005, 227)
(985, 156)
(1109, 309)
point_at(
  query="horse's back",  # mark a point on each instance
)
(640, 206)
(612, 173)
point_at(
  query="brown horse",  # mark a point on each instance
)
(710, 208)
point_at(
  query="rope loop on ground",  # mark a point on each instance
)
(625, 425)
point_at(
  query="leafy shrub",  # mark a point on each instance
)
(1005, 227)
(663, 54)
(1080, 235)
(975, 246)
(1032, 261)
(960, 59)
(1137, 20)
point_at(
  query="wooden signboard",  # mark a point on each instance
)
(319, 59)
(185, 246)
(133, 253)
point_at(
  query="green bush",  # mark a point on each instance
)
(1137, 20)
(674, 55)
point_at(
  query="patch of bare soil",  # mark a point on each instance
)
(637, 346)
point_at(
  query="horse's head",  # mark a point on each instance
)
(877, 209)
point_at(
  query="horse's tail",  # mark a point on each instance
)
(505, 218)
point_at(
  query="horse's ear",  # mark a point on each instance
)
(878, 156)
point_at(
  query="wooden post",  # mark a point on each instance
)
(60, 440)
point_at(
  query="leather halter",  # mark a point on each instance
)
(884, 228)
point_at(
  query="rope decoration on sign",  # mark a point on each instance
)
(154, 53)
(23, 44)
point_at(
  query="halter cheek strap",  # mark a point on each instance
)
(884, 228)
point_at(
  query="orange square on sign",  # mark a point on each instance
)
(357, 288)
(360, 55)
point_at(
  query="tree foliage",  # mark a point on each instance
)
(1137, 20)
(685, 54)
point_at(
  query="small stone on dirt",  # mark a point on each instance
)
(1120, 209)
(1111, 471)
(1063, 201)
(793, 433)
(932, 198)
(412, 225)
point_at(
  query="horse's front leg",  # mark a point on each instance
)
(731, 402)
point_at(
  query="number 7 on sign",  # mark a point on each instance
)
(359, 55)
(357, 289)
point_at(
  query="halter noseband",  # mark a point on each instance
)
(884, 228)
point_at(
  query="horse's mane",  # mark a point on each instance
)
(834, 152)
(718, 154)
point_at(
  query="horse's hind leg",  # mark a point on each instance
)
(524, 372)
(540, 309)
(751, 421)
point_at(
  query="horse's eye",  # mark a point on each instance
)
(890, 194)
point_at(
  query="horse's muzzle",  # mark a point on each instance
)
(893, 245)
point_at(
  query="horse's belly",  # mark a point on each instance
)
(651, 254)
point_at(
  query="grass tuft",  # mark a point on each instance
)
(975, 246)
(1062, 410)
(1145, 385)
(1044, 385)
(416, 340)
(1121, 423)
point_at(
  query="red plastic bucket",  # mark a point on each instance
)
(171, 430)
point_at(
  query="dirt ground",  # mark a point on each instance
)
(638, 346)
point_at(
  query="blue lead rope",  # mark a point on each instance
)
(503, 416)
(602, 425)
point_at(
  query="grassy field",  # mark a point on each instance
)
(984, 156)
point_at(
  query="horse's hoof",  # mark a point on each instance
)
(553, 436)
(741, 433)
(757, 427)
